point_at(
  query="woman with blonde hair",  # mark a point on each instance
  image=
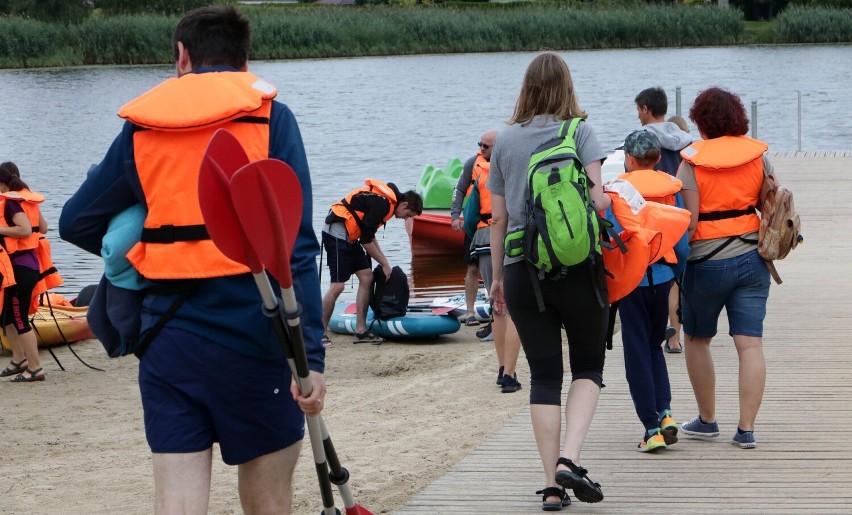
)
(570, 300)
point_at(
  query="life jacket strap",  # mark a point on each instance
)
(721, 215)
(174, 233)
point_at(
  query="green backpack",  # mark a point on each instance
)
(562, 227)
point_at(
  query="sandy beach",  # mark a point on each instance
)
(400, 415)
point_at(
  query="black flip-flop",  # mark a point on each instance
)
(670, 332)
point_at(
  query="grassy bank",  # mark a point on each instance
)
(307, 31)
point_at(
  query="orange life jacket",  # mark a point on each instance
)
(650, 231)
(352, 218)
(626, 267)
(177, 119)
(659, 187)
(7, 274)
(48, 274)
(29, 201)
(479, 176)
(729, 175)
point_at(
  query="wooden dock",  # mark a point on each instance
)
(803, 462)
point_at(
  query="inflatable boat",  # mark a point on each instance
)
(415, 324)
(481, 306)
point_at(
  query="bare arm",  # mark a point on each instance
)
(374, 251)
(499, 225)
(21, 229)
(600, 200)
(690, 201)
(42, 224)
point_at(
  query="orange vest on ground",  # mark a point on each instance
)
(178, 118)
(29, 203)
(729, 175)
(352, 218)
(650, 231)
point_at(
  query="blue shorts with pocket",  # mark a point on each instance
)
(344, 258)
(196, 392)
(739, 284)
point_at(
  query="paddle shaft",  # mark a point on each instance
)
(286, 337)
(293, 342)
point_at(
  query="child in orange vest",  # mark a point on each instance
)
(644, 311)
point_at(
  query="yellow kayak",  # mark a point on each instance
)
(56, 325)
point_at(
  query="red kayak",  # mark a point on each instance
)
(432, 235)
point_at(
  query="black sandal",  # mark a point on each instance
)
(576, 479)
(14, 368)
(23, 378)
(552, 491)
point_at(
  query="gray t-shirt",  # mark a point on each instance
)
(510, 160)
(700, 248)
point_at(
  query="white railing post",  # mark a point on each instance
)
(677, 101)
(799, 94)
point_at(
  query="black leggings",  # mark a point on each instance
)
(570, 302)
(16, 302)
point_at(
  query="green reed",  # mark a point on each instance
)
(310, 31)
(813, 25)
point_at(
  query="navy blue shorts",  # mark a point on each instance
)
(196, 392)
(344, 258)
(739, 284)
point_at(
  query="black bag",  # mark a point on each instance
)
(389, 298)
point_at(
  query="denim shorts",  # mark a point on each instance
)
(739, 284)
(196, 392)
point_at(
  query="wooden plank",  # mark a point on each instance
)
(803, 463)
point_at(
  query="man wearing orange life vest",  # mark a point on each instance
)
(507, 344)
(723, 183)
(215, 372)
(463, 188)
(349, 238)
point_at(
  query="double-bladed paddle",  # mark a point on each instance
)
(264, 199)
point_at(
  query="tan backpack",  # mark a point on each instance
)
(780, 226)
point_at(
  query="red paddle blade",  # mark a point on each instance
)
(226, 149)
(268, 200)
(358, 510)
(214, 197)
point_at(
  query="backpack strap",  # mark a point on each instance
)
(568, 129)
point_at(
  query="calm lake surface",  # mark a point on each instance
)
(387, 118)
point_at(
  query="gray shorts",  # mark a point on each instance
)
(481, 248)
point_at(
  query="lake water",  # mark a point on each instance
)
(389, 117)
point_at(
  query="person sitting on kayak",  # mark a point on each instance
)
(349, 238)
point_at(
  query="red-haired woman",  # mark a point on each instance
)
(722, 179)
(23, 223)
